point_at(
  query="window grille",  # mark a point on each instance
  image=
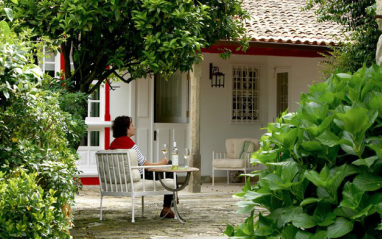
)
(246, 94)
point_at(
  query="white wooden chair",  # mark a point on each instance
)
(228, 160)
(119, 175)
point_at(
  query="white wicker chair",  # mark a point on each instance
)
(119, 175)
(227, 160)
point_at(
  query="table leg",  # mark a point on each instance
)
(177, 215)
(174, 197)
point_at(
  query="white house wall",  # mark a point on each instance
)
(122, 100)
(215, 125)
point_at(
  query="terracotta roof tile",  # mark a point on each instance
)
(284, 21)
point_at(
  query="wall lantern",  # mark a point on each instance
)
(217, 78)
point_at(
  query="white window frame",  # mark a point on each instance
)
(56, 61)
(101, 102)
(243, 97)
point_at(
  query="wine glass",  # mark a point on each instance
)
(165, 150)
(186, 155)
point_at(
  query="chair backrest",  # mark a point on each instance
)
(114, 169)
(233, 144)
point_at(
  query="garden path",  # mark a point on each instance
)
(207, 214)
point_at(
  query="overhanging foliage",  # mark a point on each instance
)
(109, 37)
(323, 176)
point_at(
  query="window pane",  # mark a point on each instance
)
(94, 109)
(84, 140)
(168, 99)
(94, 95)
(94, 138)
(49, 56)
(282, 92)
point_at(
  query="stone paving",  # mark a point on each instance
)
(207, 214)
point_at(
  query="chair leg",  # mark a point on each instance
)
(143, 205)
(245, 177)
(213, 176)
(100, 214)
(227, 177)
(132, 212)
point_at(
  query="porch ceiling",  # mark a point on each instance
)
(284, 21)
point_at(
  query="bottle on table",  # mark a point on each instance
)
(174, 157)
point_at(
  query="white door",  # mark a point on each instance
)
(171, 105)
(162, 115)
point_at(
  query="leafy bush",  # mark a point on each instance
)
(25, 210)
(323, 176)
(37, 162)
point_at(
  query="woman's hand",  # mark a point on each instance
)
(164, 161)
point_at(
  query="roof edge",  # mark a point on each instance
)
(278, 45)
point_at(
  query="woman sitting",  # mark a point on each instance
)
(123, 130)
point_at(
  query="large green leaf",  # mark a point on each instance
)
(5, 28)
(290, 139)
(245, 206)
(265, 157)
(274, 182)
(368, 182)
(352, 196)
(323, 215)
(340, 228)
(320, 179)
(288, 214)
(309, 201)
(367, 161)
(320, 235)
(377, 148)
(303, 235)
(289, 171)
(289, 232)
(9, 13)
(303, 221)
(265, 226)
(329, 139)
(252, 195)
(364, 212)
(356, 120)
(312, 146)
(376, 103)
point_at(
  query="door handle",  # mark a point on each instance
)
(155, 135)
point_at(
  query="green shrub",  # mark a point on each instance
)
(323, 165)
(25, 210)
(34, 145)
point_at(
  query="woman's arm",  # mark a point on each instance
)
(164, 161)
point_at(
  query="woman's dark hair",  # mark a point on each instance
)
(120, 126)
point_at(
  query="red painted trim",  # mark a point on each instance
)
(264, 51)
(107, 138)
(107, 101)
(62, 62)
(90, 181)
(107, 114)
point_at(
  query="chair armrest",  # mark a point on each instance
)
(153, 166)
